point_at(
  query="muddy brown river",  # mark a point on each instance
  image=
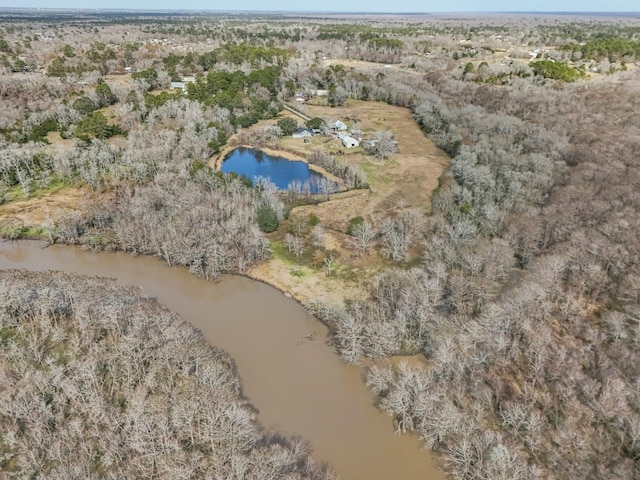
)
(299, 386)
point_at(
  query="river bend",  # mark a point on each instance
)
(299, 386)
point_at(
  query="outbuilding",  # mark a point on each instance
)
(338, 125)
(349, 142)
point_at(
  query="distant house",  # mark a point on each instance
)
(338, 126)
(348, 142)
(179, 86)
(302, 133)
(321, 93)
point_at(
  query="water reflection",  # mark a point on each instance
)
(282, 172)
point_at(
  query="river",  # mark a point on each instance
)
(299, 386)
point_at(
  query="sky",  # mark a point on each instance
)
(343, 6)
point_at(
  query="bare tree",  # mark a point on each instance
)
(362, 237)
(294, 244)
(382, 145)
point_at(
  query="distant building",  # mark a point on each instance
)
(302, 133)
(348, 142)
(302, 97)
(338, 125)
(179, 86)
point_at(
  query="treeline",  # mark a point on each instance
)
(249, 97)
(256, 56)
(525, 304)
(557, 70)
(100, 382)
(611, 48)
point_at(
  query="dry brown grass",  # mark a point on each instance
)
(408, 177)
(36, 212)
(406, 180)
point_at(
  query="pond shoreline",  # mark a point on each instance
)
(216, 161)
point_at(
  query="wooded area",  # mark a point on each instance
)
(519, 284)
(100, 382)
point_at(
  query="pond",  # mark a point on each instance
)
(282, 172)
(289, 373)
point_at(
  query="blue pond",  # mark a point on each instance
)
(282, 172)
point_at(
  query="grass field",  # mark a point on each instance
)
(406, 180)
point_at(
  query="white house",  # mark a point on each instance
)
(338, 125)
(348, 142)
(179, 86)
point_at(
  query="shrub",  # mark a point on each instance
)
(105, 96)
(315, 122)
(313, 220)
(354, 222)
(267, 219)
(96, 125)
(84, 105)
(287, 125)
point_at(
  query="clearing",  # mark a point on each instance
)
(405, 180)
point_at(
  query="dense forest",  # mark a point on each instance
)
(526, 300)
(100, 382)
(519, 283)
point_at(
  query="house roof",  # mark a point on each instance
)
(347, 140)
(302, 132)
(338, 125)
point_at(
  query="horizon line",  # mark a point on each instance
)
(201, 10)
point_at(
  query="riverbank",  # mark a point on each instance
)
(329, 271)
(289, 373)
